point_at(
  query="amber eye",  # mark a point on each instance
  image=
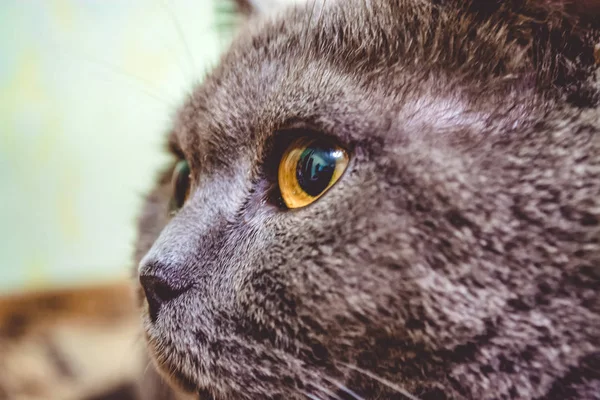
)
(181, 184)
(308, 168)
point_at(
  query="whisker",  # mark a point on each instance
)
(345, 389)
(308, 26)
(141, 89)
(147, 368)
(180, 34)
(336, 383)
(170, 48)
(135, 81)
(310, 396)
(320, 19)
(383, 381)
(326, 391)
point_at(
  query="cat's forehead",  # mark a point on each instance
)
(274, 76)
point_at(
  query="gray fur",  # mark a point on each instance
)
(458, 255)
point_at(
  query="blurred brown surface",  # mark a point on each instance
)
(69, 343)
(111, 301)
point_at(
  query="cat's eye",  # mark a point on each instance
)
(308, 168)
(181, 182)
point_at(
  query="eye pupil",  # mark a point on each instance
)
(315, 169)
(181, 184)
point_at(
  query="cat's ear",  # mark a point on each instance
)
(254, 7)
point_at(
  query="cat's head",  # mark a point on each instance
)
(385, 187)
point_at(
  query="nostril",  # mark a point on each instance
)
(158, 291)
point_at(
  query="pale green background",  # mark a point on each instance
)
(87, 89)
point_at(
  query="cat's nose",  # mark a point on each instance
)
(158, 292)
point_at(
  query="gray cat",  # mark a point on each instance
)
(391, 199)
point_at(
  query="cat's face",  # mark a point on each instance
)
(414, 264)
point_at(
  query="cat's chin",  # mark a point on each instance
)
(168, 369)
(190, 380)
(170, 373)
(179, 381)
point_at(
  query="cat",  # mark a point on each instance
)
(392, 199)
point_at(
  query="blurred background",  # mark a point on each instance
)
(87, 92)
(88, 88)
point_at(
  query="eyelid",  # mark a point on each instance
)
(283, 137)
(174, 147)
